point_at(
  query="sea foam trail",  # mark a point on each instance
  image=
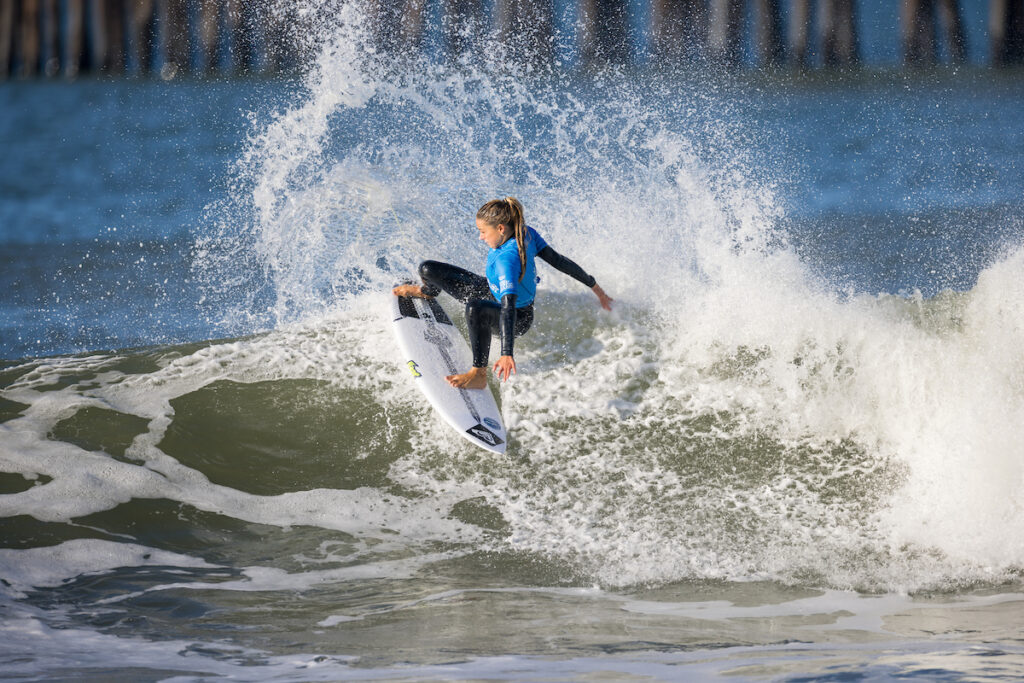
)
(82, 482)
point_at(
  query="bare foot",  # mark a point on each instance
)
(410, 290)
(476, 378)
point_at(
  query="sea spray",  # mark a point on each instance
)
(383, 160)
(735, 418)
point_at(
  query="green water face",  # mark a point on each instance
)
(100, 429)
(268, 438)
(10, 409)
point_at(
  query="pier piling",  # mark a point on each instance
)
(209, 34)
(244, 29)
(725, 26)
(49, 37)
(74, 41)
(116, 48)
(952, 23)
(799, 32)
(922, 22)
(96, 29)
(838, 29)
(679, 30)
(176, 41)
(281, 43)
(142, 34)
(107, 35)
(384, 18)
(411, 24)
(6, 36)
(1006, 31)
(526, 27)
(605, 36)
(28, 38)
(918, 22)
(461, 22)
(770, 46)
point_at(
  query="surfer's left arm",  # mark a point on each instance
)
(505, 366)
(570, 268)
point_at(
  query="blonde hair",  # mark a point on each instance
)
(507, 211)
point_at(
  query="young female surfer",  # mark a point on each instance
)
(511, 279)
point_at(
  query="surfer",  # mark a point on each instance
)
(511, 280)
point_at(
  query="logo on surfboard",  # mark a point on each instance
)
(485, 435)
(414, 369)
(492, 423)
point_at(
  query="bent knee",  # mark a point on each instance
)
(430, 270)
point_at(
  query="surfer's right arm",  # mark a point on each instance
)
(572, 269)
(505, 366)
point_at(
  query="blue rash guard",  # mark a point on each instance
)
(503, 269)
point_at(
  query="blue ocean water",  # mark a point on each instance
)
(104, 187)
(792, 451)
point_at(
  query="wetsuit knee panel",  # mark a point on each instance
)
(458, 282)
(431, 273)
(429, 270)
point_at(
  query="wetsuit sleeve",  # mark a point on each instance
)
(507, 323)
(567, 266)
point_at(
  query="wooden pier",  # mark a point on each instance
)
(167, 38)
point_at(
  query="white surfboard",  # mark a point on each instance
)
(433, 348)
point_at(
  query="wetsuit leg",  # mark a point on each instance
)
(458, 282)
(483, 313)
(483, 319)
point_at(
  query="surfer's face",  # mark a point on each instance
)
(492, 235)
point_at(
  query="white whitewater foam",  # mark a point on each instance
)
(47, 567)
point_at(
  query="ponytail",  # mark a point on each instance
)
(508, 211)
(519, 227)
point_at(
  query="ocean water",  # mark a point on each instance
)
(793, 451)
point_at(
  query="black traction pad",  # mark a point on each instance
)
(407, 309)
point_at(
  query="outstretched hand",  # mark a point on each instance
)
(606, 301)
(505, 367)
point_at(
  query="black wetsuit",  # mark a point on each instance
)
(484, 315)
